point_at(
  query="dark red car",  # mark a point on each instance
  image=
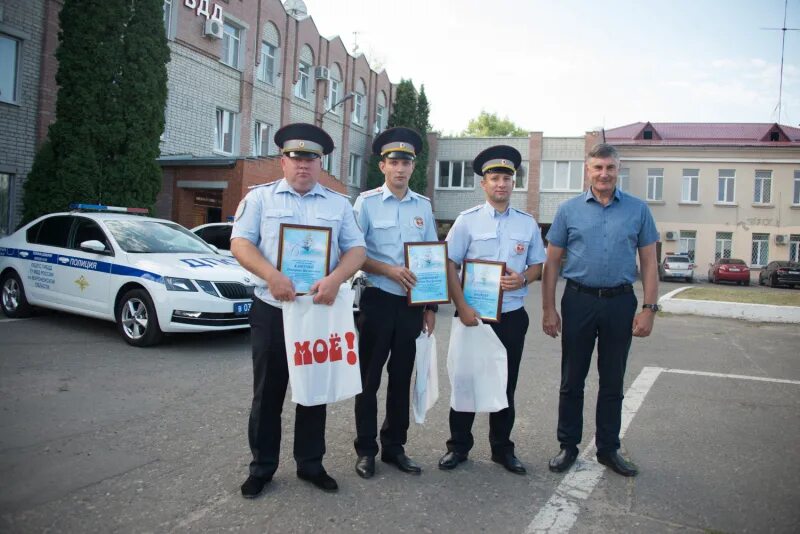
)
(729, 270)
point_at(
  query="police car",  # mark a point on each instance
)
(148, 275)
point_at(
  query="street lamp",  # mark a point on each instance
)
(344, 99)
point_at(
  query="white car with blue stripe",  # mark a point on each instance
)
(148, 275)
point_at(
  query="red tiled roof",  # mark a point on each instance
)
(716, 133)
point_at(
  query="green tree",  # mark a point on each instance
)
(112, 83)
(490, 125)
(419, 179)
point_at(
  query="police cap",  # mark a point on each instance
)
(499, 158)
(397, 143)
(302, 140)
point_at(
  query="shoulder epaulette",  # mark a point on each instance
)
(263, 185)
(420, 196)
(370, 193)
(336, 192)
(522, 212)
(476, 208)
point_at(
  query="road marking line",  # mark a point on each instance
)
(561, 510)
(741, 377)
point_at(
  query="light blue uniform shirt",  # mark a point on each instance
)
(387, 223)
(481, 233)
(601, 241)
(266, 207)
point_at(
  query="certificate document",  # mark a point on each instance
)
(428, 261)
(481, 283)
(304, 254)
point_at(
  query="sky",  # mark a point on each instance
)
(570, 66)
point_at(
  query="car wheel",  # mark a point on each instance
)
(15, 304)
(747, 282)
(137, 320)
(690, 280)
(773, 281)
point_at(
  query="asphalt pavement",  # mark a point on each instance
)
(97, 436)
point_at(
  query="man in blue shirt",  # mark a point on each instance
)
(390, 216)
(497, 232)
(601, 232)
(298, 198)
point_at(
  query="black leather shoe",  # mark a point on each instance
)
(618, 464)
(403, 463)
(510, 462)
(253, 486)
(365, 466)
(564, 460)
(451, 460)
(322, 480)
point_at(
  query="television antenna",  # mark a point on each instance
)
(783, 31)
(296, 8)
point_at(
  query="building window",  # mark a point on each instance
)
(334, 91)
(455, 175)
(521, 177)
(380, 119)
(301, 88)
(354, 173)
(328, 164)
(5, 203)
(647, 134)
(724, 245)
(655, 184)
(726, 186)
(689, 186)
(796, 192)
(686, 245)
(225, 131)
(266, 68)
(624, 179)
(9, 68)
(562, 176)
(231, 41)
(763, 187)
(760, 250)
(167, 17)
(794, 247)
(261, 139)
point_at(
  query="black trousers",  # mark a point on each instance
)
(586, 318)
(511, 330)
(386, 324)
(270, 378)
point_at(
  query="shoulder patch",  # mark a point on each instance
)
(336, 192)
(268, 184)
(522, 212)
(370, 193)
(423, 197)
(476, 208)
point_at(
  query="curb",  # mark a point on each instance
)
(761, 313)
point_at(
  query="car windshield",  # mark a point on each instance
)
(677, 259)
(153, 237)
(731, 262)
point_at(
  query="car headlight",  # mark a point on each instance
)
(207, 286)
(178, 284)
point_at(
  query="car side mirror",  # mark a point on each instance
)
(93, 245)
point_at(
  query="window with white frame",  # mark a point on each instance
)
(726, 186)
(796, 191)
(690, 185)
(455, 175)
(5, 203)
(794, 247)
(327, 163)
(167, 17)
(655, 184)
(763, 187)
(335, 89)
(380, 113)
(225, 131)
(359, 104)
(724, 245)
(261, 139)
(686, 243)
(303, 85)
(624, 179)
(231, 43)
(760, 250)
(562, 175)
(521, 177)
(354, 171)
(266, 66)
(9, 68)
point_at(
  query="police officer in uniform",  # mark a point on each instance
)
(297, 198)
(389, 216)
(495, 231)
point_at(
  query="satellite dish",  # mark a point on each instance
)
(296, 8)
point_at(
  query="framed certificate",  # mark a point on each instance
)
(428, 261)
(304, 254)
(480, 280)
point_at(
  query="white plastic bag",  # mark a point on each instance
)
(426, 383)
(322, 349)
(476, 364)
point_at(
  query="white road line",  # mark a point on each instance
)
(561, 510)
(740, 377)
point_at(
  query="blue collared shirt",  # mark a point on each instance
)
(601, 241)
(266, 207)
(387, 223)
(481, 233)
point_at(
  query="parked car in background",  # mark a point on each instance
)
(779, 273)
(217, 234)
(729, 270)
(148, 275)
(676, 266)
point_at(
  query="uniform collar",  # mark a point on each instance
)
(284, 187)
(494, 213)
(386, 193)
(588, 195)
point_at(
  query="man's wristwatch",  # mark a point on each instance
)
(524, 280)
(654, 307)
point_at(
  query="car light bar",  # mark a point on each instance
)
(101, 207)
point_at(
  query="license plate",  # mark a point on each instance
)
(241, 308)
(733, 270)
(794, 272)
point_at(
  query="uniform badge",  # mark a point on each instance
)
(240, 210)
(520, 248)
(419, 222)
